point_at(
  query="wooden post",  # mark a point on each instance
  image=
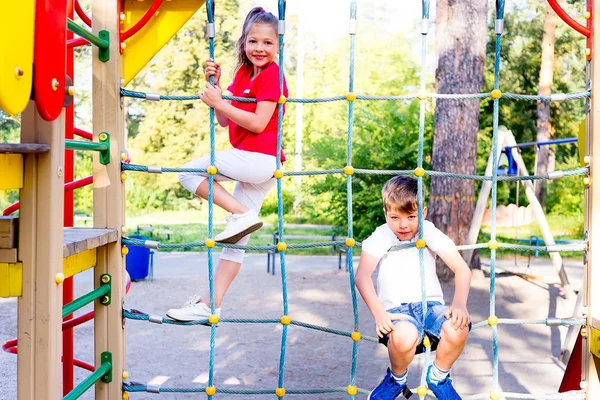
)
(538, 212)
(40, 250)
(484, 195)
(591, 267)
(109, 198)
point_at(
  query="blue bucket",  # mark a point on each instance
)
(138, 260)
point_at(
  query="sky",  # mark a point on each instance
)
(330, 18)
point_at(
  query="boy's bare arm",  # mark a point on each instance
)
(462, 282)
(364, 284)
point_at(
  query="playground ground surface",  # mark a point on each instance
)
(247, 355)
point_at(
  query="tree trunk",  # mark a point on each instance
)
(461, 28)
(545, 154)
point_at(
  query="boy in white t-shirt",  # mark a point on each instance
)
(397, 303)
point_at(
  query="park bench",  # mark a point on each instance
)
(335, 248)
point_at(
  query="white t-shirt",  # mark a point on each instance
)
(399, 273)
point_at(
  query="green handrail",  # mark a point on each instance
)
(102, 291)
(103, 372)
(103, 146)
(102, 40)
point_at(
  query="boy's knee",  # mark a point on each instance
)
(404, 337)
(455, 336)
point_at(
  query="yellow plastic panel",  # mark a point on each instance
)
(79, 262)
(141, 47)
(581, 139)
(11, 280)
(11, 166)
(595, 342)
(16, 49)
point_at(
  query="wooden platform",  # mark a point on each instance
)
(78, 240)
(24, 148)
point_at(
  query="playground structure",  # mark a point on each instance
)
(38, 272)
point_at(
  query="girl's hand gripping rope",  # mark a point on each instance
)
(212, 69)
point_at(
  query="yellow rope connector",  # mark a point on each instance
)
(419, 171)
(124, 250)
(350, 242)
(102, 137)
(587, 159)
(587, 15)
(213, 319)
(124, 230)
(492, 245)
(423, 96)
(352, 390)
(210, 243)
(588, 51)
(351, 96)
(71, 90)
(586, 180)
(426, 341)
(420, 243)
(281, 246)
(492, 320)
(356, 336)
(286, 320)
(125, 375)
(59, 278)
(349, 170)
(282, 99)
(584, 332)
(495, 395)
(123, 156)
(422, 391)
(212, 170)
(125, 395)
(278, 174)
(123, 176)
(211, 390)
(280, 392)
(496, 94)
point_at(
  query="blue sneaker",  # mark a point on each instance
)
(388, 389)
(444, 389)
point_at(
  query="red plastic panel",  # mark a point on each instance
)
(50, 57)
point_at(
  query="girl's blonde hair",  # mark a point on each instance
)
(257, 15)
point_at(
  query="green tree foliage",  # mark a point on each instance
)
(520, 66)
(171, 133)
(385, 134)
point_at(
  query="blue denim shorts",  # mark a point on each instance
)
(430, 325)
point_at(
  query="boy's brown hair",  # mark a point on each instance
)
(400, 194)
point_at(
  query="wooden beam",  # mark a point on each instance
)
(24, 148)
(484, 195)
(109, 196)
(40, 250)
(591, 267)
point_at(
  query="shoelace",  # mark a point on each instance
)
(192, 301)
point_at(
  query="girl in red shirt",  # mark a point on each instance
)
(251, 162)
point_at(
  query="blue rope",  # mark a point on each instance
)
(349, 254)
(495, 343)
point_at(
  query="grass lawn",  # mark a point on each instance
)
(190, 226)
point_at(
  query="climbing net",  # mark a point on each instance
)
(281, 247)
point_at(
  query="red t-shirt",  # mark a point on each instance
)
(265, 86)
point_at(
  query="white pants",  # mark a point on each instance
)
(253, 173)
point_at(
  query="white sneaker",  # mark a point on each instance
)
(238, 226)
(192, 310)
